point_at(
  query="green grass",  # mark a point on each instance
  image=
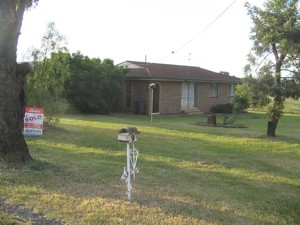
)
(292, 106)
(188, 174)
(6, 219)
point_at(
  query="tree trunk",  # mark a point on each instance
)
(13, 147)
(272, 128)
(276, 111)
(212, 120)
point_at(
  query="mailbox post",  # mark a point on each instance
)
(129, 135)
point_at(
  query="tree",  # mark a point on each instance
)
(45, 84)
(113, 90)
(255, 91)
(50, 69)
(94, 86)
(13, 147)
(276, 38)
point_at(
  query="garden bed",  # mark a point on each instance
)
(221, 125)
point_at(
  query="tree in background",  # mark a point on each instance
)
(275, 56)
(50, 69)
(114, 89)
(94, 86)
(13, 147)
(255, 91)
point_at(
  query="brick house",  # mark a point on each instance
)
(178, 89)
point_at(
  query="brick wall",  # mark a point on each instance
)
(205, 102)
(170, 96)
(140, 92)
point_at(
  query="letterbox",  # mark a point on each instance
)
(128, 134)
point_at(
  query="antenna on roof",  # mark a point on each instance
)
(189, 63)
(145, 59)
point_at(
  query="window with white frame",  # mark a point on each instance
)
(232, 89)
(213, 90)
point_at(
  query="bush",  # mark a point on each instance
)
(94, 85)
(240, 103)
(226, 108)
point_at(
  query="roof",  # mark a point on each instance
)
(157, 71)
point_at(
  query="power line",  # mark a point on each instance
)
(201, 32)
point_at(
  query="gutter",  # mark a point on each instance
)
(182, 80)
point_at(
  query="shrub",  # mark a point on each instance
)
(240, 103)
(226, 108)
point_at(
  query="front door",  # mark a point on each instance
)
(188, 96)
(156, 92)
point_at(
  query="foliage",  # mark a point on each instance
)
(276, 33)
(257, 92)
(50, 69)
(94, 86)
(229, 120)
(226, 108)
(31, 3)
(58, 79)
(240, 104)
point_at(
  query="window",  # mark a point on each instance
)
(213, 90)
(188, 97)
(232, 89)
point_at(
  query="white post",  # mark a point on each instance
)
(151, 105)
(151, 88)
(128, 172)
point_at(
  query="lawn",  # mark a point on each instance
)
(292, 106)
(188, 174)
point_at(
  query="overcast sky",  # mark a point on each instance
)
(210, 34)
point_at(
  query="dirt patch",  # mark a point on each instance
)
(23, 214)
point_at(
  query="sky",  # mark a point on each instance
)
(213, 35)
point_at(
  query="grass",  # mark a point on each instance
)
(6, 219)
(292, 106)
(188, 174)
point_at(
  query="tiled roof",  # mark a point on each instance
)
(156, 71)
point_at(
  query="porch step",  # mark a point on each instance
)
(193, 111)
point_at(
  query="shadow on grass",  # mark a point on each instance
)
(199, 192)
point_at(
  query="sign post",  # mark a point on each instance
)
(33, 121)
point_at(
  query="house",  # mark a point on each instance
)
(175, 89)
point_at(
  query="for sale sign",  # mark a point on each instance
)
(33, 121)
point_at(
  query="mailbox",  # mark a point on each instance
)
(128, 134)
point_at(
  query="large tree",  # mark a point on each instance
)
(94, 85)
(13, 147)
(276, 38)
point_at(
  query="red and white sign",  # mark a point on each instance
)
(33, 121)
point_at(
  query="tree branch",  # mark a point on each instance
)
(262, 61)
(275, 52)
